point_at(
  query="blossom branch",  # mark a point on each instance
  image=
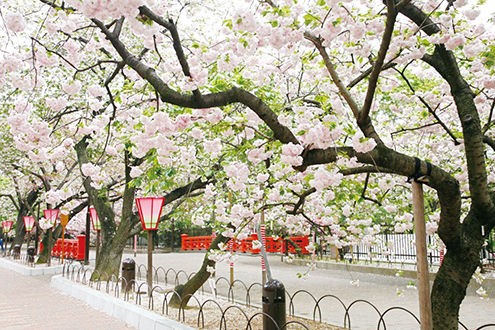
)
(364, 123)
(428, 107)
(231, 96)
(366, 73)
(394, 162)
(444, 62)
(489, 141)
(378, 65)
(172, 28)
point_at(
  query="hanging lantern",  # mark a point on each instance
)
(28, 223)
(95, 220)
(51, 215)
(150, 210)
(7, 225)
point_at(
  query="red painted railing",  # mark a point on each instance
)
(73, 248)
(190, 243)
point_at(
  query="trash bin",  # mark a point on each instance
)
(30, 254)
(273, 305)
(17, 251)
(128, 274)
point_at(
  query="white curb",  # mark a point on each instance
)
(131, 314)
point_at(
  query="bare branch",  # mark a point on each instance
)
(430, 109)
(363, 193)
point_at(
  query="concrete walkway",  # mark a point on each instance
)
(28, 302)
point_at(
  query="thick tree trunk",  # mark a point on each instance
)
(185, 291)
(109, 258)
(114, 236)
(449, 288)
(459, 264)
(48, 243)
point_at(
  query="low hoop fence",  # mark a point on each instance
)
(217, 304)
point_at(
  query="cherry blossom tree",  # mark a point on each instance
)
(317, 111)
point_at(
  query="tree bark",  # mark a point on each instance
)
(185, 291)
(48, 243)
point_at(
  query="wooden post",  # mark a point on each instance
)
(150, 262)
(421, 255)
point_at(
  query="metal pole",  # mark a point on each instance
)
(135, 244)
(172, 238)
(37, 234)
(422, 260)
(49, 247)
(63, 240)
(150, 262)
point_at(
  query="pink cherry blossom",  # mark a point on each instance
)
(455, 41)
(72, 88)
(15, 22)
(196, 133)
(471, 14)
(90, 169)
(323, 179)
(96, 90)
(135, 172)
(262, 177)
(56, 104)
(214, 147)
(362, 145)
(291, 154)
(182, 121)
(214, 116)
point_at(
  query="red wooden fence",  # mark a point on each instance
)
(246, 245)
(73, 248)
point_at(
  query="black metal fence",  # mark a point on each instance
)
(209, 312)
(400, 248)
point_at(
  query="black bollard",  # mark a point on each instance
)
(128, 274)
(17, 251)
(30, 254)
(274, 315)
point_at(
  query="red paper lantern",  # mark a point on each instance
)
(28, 223)
(7, 225)
(150, 210)
(95, 220)
(51, 215)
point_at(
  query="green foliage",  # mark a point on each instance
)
(489, 55)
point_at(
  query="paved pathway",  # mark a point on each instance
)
(28, 302)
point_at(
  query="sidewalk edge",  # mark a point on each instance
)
(127, 312)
